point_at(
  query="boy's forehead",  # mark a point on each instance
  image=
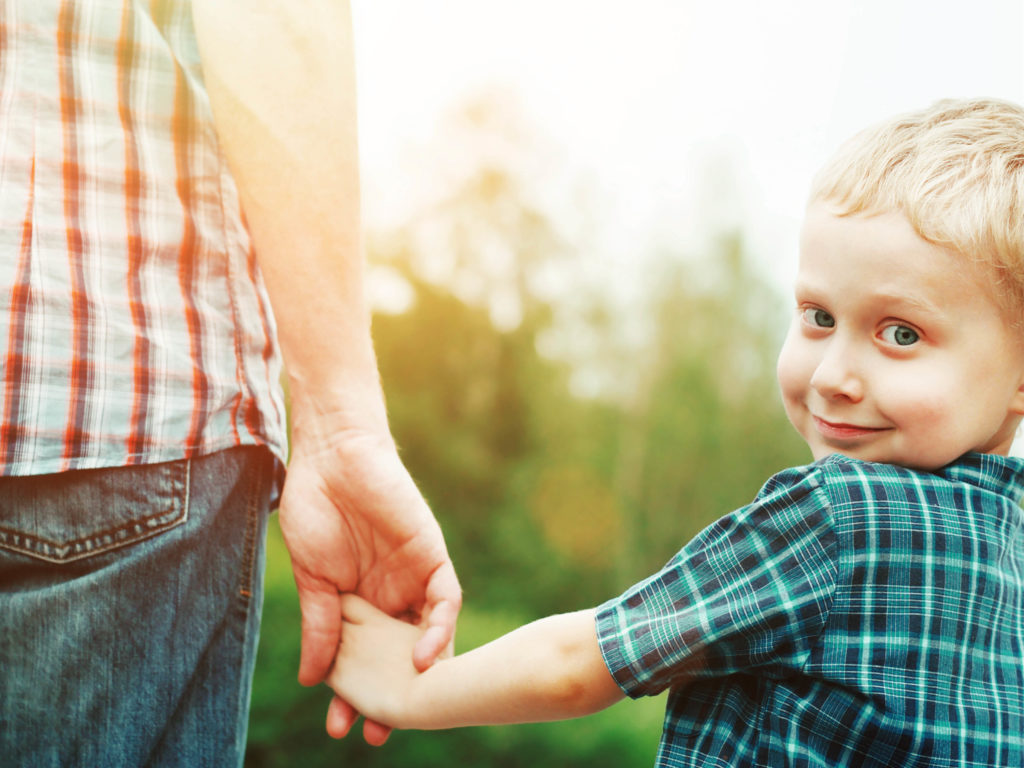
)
(825, 225)
(884, 237)
(884, 252)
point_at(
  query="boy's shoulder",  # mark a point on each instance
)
(848, 481)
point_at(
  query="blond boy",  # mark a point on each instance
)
(867, 609)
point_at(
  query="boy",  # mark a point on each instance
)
(867, 609)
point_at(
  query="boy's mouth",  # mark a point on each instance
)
(834, 430)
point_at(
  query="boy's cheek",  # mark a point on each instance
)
(791, 371)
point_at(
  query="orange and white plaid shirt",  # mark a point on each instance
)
(134, 325)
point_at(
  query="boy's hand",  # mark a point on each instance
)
(373, 670)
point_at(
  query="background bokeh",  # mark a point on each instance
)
(581, 220)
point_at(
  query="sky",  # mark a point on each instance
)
(642, 98)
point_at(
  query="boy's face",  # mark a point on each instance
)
(897, 352)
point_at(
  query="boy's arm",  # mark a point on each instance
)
(551, 669)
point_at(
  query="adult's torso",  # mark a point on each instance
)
(134, 327)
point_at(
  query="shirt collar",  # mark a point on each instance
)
(991, 472)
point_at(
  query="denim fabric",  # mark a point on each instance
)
(129, 612)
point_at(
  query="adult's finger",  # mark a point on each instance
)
(320, 605)
(375, 733)
(340, 718)
(444, 598)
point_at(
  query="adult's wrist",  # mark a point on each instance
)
(349, 405)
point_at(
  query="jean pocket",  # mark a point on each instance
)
(70, 516)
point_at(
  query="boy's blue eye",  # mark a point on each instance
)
(900, 335)
(819, 318)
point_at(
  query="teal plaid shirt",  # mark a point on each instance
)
(854, 614)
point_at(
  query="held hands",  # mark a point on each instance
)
(373, 670)
(354, 522)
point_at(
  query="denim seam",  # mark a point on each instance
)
(255, 482)
(187, 502)
(251, 526)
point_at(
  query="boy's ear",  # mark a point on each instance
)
(1017, 403)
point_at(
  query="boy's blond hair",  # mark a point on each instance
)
(955, 170)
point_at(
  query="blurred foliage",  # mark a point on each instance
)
(549, 501)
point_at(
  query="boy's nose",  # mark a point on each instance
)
(836, 375)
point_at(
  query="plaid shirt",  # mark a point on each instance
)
(854, 614)
(134, 327)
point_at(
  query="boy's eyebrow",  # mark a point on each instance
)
(919, 304)
(804, 288)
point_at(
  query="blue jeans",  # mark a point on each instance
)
(129, 612)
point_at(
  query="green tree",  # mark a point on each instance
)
(550, 501)
(706, 426)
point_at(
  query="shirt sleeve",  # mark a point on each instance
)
(751, 592)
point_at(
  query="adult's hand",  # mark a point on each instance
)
(354, 521)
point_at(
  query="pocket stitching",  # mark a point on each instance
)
(130, 533)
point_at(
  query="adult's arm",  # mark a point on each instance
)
(281, 80)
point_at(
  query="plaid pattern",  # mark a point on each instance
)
(134, 327)
(854, 614)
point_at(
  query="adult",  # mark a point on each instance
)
(141, 417)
